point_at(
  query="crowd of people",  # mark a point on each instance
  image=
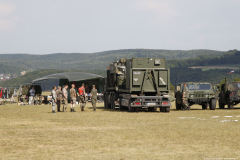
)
(59, 95)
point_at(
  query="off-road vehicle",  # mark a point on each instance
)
(201, 93)
(229, 95)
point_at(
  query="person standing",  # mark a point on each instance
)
(94, 97)
(32, 94)
(82, 96)
(65, 97)
(73, 97)
(4, 93)
(54, 99)
(185, 97)
(59, 98)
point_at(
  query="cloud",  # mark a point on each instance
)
(8, 19)
(160, 8)
(9, 24)
(6, 9)
(56, 8)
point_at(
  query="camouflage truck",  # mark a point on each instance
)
(138, 83)
(201, 93)
(229, 94)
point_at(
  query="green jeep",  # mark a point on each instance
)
(229, 95)
(201, 93)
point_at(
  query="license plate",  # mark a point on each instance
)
(151, 104)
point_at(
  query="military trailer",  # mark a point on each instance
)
(201, 93)
(229, 95)
(138, 83)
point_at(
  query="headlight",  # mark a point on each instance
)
(206, 95)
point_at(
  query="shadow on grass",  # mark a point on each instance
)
(125, 110)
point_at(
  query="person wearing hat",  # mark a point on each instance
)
(94, 97)
(59, 97)
(82, 97)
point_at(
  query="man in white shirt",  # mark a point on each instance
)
(32, 94)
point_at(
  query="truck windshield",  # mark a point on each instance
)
(203, 86)
(191, 86)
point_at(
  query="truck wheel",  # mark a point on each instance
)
(120, 104)
(221, 105)
(105, 101)
(204, 106)
(113, 102)
(212, 104)
(130, 109)
(162, 109)
(230, 105)
(167, 109)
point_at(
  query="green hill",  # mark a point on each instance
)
(92, 61)
(230, 57)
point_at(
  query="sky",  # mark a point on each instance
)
(88, 26)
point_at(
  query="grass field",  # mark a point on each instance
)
(33, 132)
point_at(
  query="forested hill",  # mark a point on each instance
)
(92, 61)
(230, 57)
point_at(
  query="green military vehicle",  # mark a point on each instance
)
(229, 95)
(201, 93)
(136, 83)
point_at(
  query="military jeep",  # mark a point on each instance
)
(201, 93)
(229, 95)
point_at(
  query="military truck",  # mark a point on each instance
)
(229, 95)
(201, 93)
(137, 83)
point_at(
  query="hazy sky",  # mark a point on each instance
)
(87, 26)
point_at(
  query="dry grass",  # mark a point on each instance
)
(33, 132)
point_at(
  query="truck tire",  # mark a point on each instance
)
(212, 104)
(221, 105)
(120, 104)
(105, 101)
(162, 109)
(230, 105)
(167, 109)
(130, 109)
(113, 101)
(204, 106)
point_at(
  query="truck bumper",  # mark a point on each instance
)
(146, 101)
